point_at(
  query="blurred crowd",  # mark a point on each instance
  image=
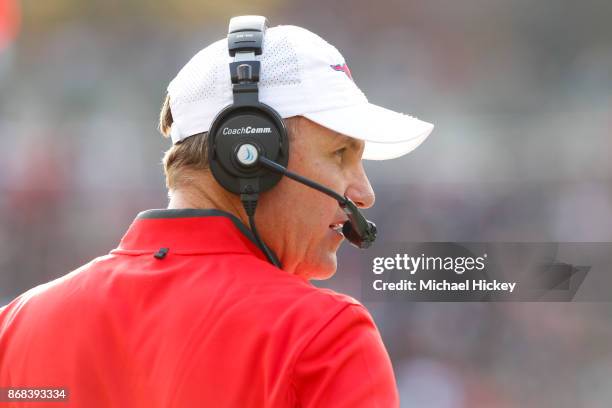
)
(521, 96)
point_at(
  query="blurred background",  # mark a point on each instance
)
(521, 96)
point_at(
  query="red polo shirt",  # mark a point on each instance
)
(210, 323)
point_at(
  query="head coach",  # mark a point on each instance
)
(208, 303)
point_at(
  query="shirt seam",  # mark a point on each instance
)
(307, 343)
(368, 369)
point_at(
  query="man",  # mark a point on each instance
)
(187, 311)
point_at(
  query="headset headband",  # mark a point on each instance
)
(245, 34)
(245, 41)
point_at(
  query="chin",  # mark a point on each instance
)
(324, 267)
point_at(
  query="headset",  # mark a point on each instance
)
(248, 146)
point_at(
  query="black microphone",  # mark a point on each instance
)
(360, 232)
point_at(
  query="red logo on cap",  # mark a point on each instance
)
(344, 68)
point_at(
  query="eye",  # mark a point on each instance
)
(340, 152)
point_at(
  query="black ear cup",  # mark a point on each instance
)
(236, 139)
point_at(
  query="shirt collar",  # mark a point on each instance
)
(188, 231)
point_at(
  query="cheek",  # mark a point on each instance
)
(297, 215)
(306, 210)
(299, 205)
(324, 171)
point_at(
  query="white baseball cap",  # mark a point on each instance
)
(301, 74)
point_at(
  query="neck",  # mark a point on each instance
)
(205, 192)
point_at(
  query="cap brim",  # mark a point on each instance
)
(387, 134)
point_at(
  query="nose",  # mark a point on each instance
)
(360, 190)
